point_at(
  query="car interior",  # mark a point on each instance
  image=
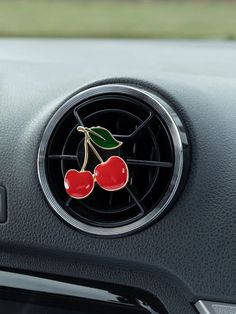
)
(117, 175)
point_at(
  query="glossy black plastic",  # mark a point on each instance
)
(37, 293)
(147, 149)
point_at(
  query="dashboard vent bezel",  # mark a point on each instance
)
(177, 136)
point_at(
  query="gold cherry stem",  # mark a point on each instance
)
(85, 152)
(86, 143)
(95, 151)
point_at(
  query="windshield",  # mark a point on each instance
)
(192, 19)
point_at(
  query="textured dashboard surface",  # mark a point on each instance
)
(190, 253)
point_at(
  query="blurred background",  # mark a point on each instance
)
(176, 19)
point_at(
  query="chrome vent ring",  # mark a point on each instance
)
(155, 147)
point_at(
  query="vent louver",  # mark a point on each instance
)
(152, 148)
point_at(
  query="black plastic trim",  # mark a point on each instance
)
(88, 291)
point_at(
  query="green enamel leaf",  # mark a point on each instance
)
(103, 138)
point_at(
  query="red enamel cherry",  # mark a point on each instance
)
(113, 174)
(78, 184)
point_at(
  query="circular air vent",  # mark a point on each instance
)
(154, 144)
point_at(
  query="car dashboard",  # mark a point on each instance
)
(163, 244)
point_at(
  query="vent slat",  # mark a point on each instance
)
(68, 157)
(142, 125)
(78, 119)
(133, 196)
(150, 163)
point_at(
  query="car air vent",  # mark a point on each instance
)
(154, 148)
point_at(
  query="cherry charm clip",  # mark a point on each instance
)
(110, 175)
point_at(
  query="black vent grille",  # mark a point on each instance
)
(147, 148)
